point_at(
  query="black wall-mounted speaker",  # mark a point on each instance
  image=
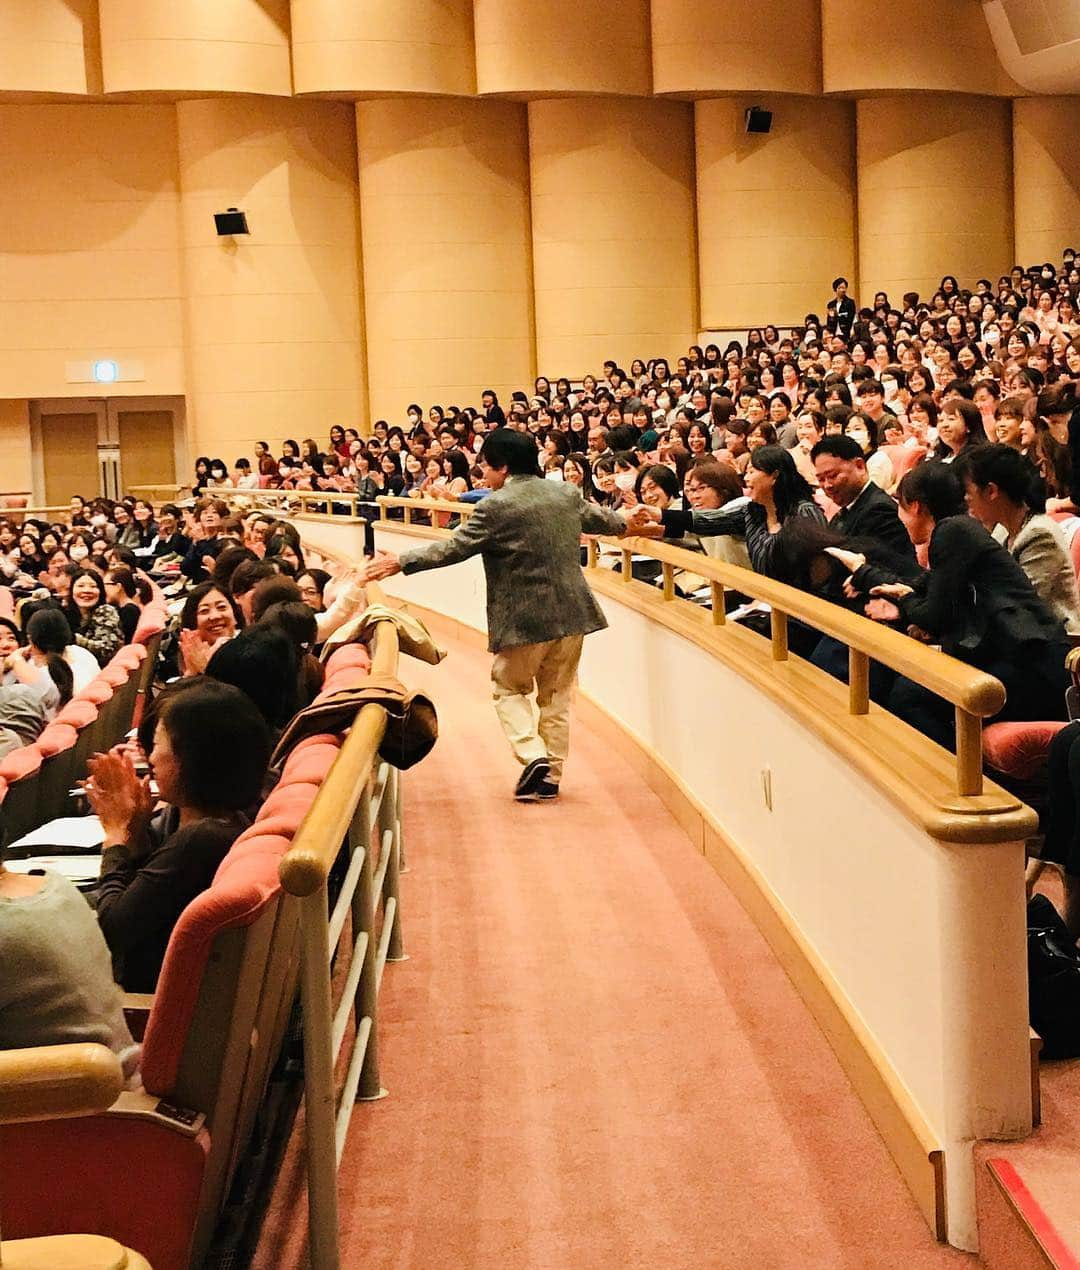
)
(231, 222)
(758, 120)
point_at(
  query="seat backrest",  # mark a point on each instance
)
(228, 979)
(152, 621)
(903, 458)
(56, 745)
(19, 771)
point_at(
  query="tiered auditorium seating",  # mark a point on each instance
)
(214, 1028)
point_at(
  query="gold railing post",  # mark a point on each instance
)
(361, 833)
(627, 564)
(778, 626)
(716, 593)
(592, 553)
(408, 514)
(858, 682)
(969, 777)
(669, 580)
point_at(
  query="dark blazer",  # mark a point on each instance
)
(977, 601)
(529, 534)
(873, 515)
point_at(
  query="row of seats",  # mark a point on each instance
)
(35, 779)
(153, 1171)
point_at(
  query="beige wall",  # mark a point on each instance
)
(274, 329)
(49, 46)
(775, 212)
(935, 191)
(1046, 185)
(444, 192)
(550, 46)
(909, 44)
(89, 247)
(614, 261)
(741, 46)
(362, 46)
(205, 46)
(15, 468)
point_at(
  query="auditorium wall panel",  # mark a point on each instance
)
(444, 195)
(909, 44)
(89, 247)
(369, 46)
(771, 46)
(1046, 182)
(935, 191)
(614, 255)
(15, 467)
(196, 46)
(49, 46)
(537, 47)
(274, 326)
(775, 212)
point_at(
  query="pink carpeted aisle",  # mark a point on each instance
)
(593, 1059)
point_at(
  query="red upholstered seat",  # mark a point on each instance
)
(903, 458)
(115, 675)
(152, 621)
(174, 1173)
(131, 656)
(1018, 750)
(56, 738)
(7, 602)
(97, 691)
(20, 763)
(79, 714)
(353, 657)
(1074, 551)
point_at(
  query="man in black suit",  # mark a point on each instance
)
(866, 511)
(841, 309)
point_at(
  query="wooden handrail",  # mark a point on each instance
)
(973, 693)
(52, 1081)
(306, 865)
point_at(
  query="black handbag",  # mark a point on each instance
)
(1053, 980)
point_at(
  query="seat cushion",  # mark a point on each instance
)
(1018, 750)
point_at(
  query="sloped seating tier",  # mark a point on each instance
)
(214, 1028)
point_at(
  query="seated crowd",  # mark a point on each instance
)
(236, 663)
(915, 463)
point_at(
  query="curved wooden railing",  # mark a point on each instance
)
(359, 804)
(974, 694)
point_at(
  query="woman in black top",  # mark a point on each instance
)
(974, 600)
(777, 494)
(208, 750)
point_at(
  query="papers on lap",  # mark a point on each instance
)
(68, 833)
(77, 868)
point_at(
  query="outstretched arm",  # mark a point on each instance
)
(467, 540)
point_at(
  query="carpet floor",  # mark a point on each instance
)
(592, 1057)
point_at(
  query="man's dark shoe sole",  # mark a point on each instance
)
(534, 775)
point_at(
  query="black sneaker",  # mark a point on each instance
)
(546, 791)
(534, 775)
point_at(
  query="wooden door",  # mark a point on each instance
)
(69, 445)
(147, 448)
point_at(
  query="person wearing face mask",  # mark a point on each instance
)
(863, 430)
(626, 474)
(78, 550)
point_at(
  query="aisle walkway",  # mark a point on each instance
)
(593, 1059)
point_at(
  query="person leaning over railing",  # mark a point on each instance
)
(974, 600)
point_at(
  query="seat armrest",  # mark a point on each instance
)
(139, 1105)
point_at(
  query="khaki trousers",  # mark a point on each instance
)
(549, 669)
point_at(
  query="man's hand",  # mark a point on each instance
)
(891, 590)
(384, 564)
(881, 610)
(640, 517)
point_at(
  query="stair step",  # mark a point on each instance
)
(1034, 1220)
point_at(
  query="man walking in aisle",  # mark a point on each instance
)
(539, 607)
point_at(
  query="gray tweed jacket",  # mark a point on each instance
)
(529, 534)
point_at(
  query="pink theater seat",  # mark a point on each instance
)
(131, 656)
(79, 714)
(903, 458)
(152, 621)
(7, 602)
(1074, 551)
(1018, 750)
(177, 1174)
(55, 739)
(98, 691)
(20, 764)
(115, 675)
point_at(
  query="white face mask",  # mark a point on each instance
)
(625, 480)
(99, 519)
(993, 337)
(78, 553)
(553, 475)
